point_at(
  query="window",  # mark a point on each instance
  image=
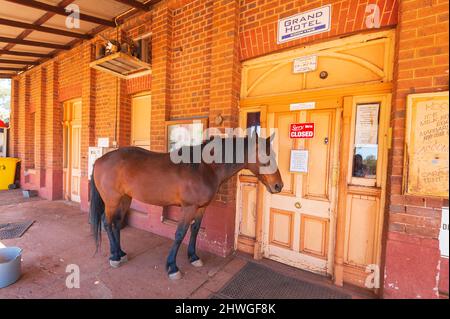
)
(254, 122)
(144, 49)
(365, 155)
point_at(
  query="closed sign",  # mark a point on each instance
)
(302, 130)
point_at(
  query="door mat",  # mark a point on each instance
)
(254, 281)
(14, 230)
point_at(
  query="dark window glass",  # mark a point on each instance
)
(254, 122)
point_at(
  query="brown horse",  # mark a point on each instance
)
(154, 178)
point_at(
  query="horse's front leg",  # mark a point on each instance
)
(195, 228)
(183, 226)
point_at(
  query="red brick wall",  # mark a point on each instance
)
(139, 84)
(191, 59)
(412, 249)
(258, 25)
(70, 78)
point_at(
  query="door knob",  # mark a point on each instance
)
(298, 205)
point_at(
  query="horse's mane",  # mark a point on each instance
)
(194, 148)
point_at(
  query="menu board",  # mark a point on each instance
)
(426, 165)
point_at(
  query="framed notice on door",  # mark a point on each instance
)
(426, 158)
(299, 161)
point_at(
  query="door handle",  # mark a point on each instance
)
(298, 205)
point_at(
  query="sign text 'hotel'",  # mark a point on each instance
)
(304, 24)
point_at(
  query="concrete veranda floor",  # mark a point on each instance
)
(61, 236)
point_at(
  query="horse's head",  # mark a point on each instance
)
(262, 163)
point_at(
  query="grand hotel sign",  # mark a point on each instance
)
(304, 24)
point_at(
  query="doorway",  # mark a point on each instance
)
(298, 222)
(141, 116)
(328, 219)
(72, 150)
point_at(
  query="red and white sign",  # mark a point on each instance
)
(302, 130)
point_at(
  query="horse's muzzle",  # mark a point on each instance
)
(274, 189)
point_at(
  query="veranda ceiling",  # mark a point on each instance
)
(34, 31)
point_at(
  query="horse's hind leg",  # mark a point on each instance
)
(183, 225)
(195, 227)
(110, 222)
(124, 206)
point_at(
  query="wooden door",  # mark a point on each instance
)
(72, 150)
(141, 108)
(298, 222)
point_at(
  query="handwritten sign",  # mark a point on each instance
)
(305, 64)
(299, 161)
(366, 125)
(301, 130)
(426, 166)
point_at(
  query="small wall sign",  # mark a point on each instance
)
(305, 64)
(299, 161)
(443, 234)
(94, 154)
(103, 142)
(301, 130)
(304, 24)
(302, 106)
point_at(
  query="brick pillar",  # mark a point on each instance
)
(24, 102)
(224, 100)
(124, 116)
(14, 119)
(161, 52)
(88, 119)
(412, 254)
(225, 75)
(53, 135)
(39, 130)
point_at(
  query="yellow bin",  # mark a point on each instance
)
(7, 171)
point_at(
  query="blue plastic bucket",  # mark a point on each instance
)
(10, 265)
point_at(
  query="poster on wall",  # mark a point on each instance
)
(299, 161)
(426, 160)
(304, 24)
(366, 128)
(184, 133)
(94, 154)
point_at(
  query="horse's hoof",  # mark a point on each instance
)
(197, 263)
(124, 259)
(114, 263)
(175, 275)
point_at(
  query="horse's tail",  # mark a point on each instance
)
(96, 210)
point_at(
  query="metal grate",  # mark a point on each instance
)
(254, 281)
(14, 230)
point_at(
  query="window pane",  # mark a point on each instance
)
(365, 162)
